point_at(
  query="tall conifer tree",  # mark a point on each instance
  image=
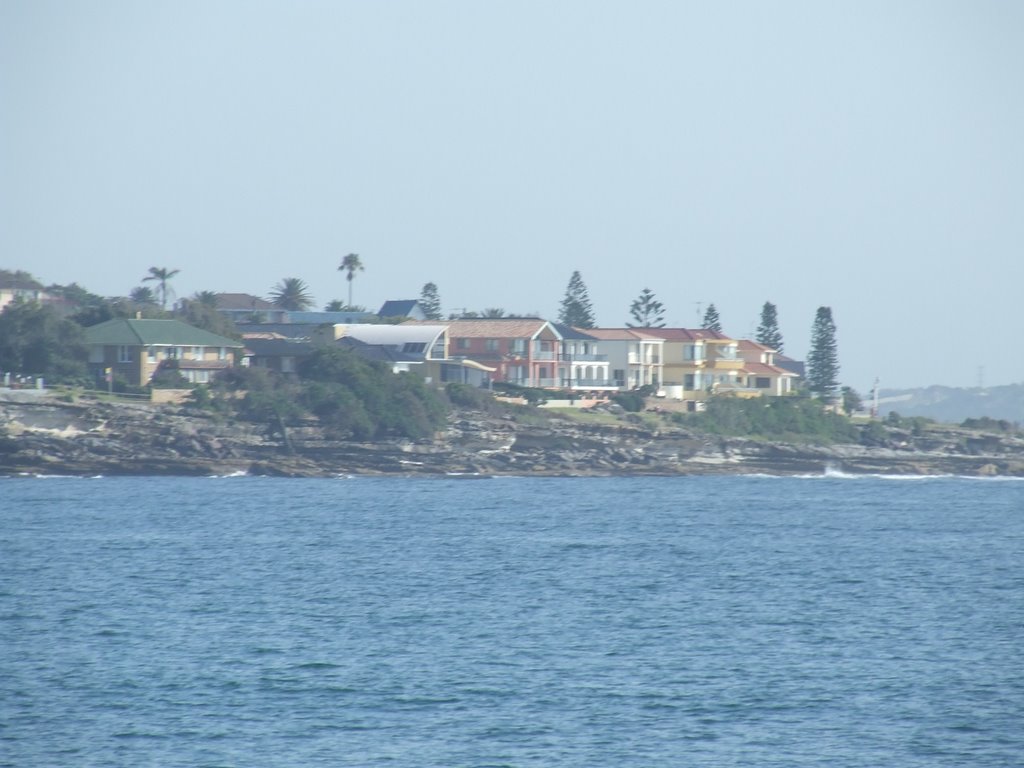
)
(430, 301)
(768, 332)
(647, 311)
(823, 359)
(711, 320)
(576, 309)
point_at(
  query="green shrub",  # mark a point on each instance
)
(777, 418)
(630, 401)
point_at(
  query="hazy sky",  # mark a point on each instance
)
(868, 156)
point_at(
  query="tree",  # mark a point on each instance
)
(823, 359)
(647, 311)
(852, 401)
(161, 275)
(334, 305)
(430, 301)
(576, 309)
(493, 313)
(351, 264)
(206, 298)
(292, 294)
(198, 312)
(768, 332)
(144, 296)
(36, 340)
(711, 320)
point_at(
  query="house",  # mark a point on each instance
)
(412, 347)
(276, 352)
(581, 366)
(634, 356)
(699, 361)
(133, 349)
(16, 288)
(760, 371)
(522, 351)
(246, 308)
(408, 308)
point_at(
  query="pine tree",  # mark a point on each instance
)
(768, 332)
(711, 320)
(823, 360)
(647, 311)
(576, 308)
(430, 301)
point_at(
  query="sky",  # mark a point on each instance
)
(865, 156)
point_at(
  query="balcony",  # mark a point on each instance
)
(543, 356)
(568, 357)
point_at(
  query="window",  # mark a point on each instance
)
(762, 382)
(414, 347)
(151, 354)
(517, 346)
(173, 353)
(124, 354)
(197, 353)
(462, 343)
(491, 345)
(222, 353)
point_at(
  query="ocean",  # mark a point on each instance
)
(692, 621)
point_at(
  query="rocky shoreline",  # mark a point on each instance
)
(46, 436)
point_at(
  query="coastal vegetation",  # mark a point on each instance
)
(348, 396)
(779, 418)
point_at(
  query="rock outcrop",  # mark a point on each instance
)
(46, 436)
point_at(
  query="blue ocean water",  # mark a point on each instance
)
(741, 621)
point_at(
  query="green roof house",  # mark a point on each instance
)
(133, 349)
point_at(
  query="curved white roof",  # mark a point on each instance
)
(393, 335)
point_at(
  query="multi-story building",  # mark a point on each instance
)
(635, 356)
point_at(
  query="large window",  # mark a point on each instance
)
(124, 354)
(491, 345)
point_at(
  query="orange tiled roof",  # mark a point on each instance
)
(622, 334)
(688, 334)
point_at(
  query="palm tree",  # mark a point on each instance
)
(292, 294)
(335, 305)
(162, 275)
(206, 298)
(351, 264)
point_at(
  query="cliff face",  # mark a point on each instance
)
(45, 436)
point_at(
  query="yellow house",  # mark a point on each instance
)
(698, 362)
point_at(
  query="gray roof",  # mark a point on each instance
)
(400, 308)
